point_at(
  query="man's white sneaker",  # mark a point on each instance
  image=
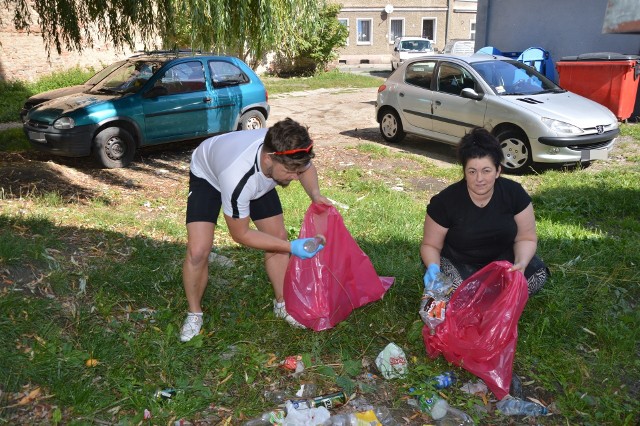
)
(191, 327)
(280, 311)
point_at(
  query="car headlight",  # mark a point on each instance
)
(561, 126)
(64, 123)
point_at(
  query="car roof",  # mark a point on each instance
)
(411, 38)
(167, 55)
(476, 57)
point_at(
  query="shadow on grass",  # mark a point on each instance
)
(118, 299)
(33, 173)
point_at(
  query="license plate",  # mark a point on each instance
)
(37, 137)
(598, 154)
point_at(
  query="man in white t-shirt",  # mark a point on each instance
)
(238, 172)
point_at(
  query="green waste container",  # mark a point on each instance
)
(611, 79)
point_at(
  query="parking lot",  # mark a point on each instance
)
(345, 117)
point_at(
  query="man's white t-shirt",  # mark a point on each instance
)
(231, 163)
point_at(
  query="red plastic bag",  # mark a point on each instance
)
(322, 291)
(480, 329)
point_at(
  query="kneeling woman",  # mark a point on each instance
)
(482, 218)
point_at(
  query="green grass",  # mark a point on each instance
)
(14, 93)
(122, 302)
(101, 280)
(331, 79)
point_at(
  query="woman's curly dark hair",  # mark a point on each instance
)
(479, 143)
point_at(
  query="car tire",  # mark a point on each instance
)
(391, 126)
(252, 120)
(517, 151)
(113, 148)
(392, 67)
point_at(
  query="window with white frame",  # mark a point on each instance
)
(472, 33)
(429, 28)
(345, 22)
(396, 29)
(365, 26)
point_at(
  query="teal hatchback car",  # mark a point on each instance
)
(149, 99)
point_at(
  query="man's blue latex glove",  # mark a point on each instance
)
(432, 272)
(297, 248)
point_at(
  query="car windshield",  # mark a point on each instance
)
(129, 77)
(415, 45)
(97, 78)
(514, 78)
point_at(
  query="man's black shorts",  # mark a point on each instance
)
(204, 203)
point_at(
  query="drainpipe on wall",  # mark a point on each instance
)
(446, 24)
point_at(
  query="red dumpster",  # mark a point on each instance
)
(611, 79)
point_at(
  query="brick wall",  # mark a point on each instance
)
(23, 55)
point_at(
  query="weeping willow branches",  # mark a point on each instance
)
(245, 28)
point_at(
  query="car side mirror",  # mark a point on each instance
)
(395, 49)
(471, 94)
(156, 91)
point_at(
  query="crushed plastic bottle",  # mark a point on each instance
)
(444, 380)
(519, 407)
(311, 245)
(455, 417)
(275, 396)
(268, 418)
(435, 406)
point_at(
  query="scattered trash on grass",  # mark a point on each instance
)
(307, 390)
(293, 362)
(517, 407)
(392, 362)
(220, 260)
(476, 388)
(165, 394)
(304, 417)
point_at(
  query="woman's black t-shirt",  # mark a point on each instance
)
(478, 236)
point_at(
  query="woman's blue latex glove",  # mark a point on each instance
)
(432, 272)
(297, 248)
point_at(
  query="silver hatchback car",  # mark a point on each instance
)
(441, 97)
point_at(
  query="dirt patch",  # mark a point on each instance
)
(338, 121)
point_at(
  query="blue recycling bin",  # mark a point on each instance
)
(489, 50)
(539, 59)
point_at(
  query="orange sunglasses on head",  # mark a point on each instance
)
(293, 151)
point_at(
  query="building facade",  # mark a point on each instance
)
(373, 26)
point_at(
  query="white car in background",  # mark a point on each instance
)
(459, 47)
(409, 47)
(442, 97)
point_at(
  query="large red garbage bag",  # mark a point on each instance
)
(322, 291)
(480, 329)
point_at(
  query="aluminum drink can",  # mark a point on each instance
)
(330, 401)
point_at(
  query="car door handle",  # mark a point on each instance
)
(438, 103)
(206, 99)
(401, 95)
